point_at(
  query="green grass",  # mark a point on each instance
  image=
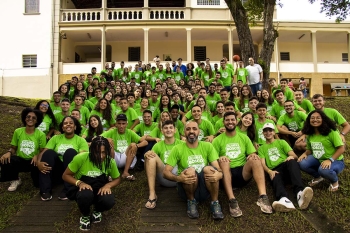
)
(130, 196)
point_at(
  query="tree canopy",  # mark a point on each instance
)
(338, 8)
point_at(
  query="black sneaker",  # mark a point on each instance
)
(62, 196)
(192, 211)
(85, 223)
(96, 217)
(46, 196)
(216, 210)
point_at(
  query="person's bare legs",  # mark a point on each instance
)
(152, 165)
(190, 188)
(213, 187)
(227, 180)
(129, 158)
(254, 168)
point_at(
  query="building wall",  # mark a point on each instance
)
(330, 52)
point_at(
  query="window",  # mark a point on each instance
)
(29, 61)
(200, 53)
(134, 54)
(208, 2)
(32, 6)
(284, 56)
(345, 57)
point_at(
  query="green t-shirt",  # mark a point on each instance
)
(116, 108)
(323, 147)
(59, 143)
(274, 153)
(179, 126)
(87, 103)
(121, 141)
(219, 124)
(55, 109)
(226, 76)
(105, 124)
(178, 76)
(161, 74)
(59, 118)
(215, 119)
(142, 129)
(152, 78)
(236, 148)
(241, 108)
(206, 77)
(211, 101)
(307, 105)
(131, 116)
(206, 129)
(46, 124)
(137, 75)
(334, 115)
(82, 166)
(242, 74)
(163, 150)
(28, 145)
(84, 115)
(295, 123)
(153, 105)
(260, 138)
(197, 158)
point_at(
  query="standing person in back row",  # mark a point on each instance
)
(255, 75)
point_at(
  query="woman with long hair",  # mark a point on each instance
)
(164, 105)
(245, 95)
(206, 75)
(49, 124)
(323, 158)
(234, 94)
(267, 99)
(247, 126)
(202, 103)
(95, 128)
(89, 172)
(79, 87)
(103, 109)
(189, 102)
(27, 142)
(90, 92)
(144, 104)
(63, 89)
(169, 72)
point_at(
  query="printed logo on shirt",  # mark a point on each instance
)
(273, 154)
(224, 74)
(233, 150)
(152, 108)
(122, 145)
(42, 127)
(63, 147)
(146, 132)
(166, 156)
(241, 73)
(282, 112)
(293, 126)
(196, 161)
(206, 77)
(201, 135)
(261, 135)
(317, 149)
(93, 173)
(56, 111)
(27, 147)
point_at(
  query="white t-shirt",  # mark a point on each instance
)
(254, 74)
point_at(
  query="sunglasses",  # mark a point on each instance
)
(44, 105)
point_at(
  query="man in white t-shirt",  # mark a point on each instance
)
(255, 75)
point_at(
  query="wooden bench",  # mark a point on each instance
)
(337, 87)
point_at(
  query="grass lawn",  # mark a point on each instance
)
(328, 212)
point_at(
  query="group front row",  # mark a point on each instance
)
(194, 166)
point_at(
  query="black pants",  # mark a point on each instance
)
(289, 171)
(86, 198)
(10, 171)
(58, 167)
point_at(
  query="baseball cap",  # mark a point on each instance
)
(143, 81)
(122, 117)
(268, 126)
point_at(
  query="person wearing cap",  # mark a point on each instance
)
(280, 162)
(183, 68)
(239, 163)
(125, 145)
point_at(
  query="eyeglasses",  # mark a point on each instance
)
(44, 105)
(31, 117)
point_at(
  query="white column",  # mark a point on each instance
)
(189, 47)
(104, 15)
(277, 60)
(348, 40)
(145, 3)
(314, 50)
(145, 39)
(230, 45)
(103, 48)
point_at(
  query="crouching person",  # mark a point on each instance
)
(89, 172)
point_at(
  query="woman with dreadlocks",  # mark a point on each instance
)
(89, 172)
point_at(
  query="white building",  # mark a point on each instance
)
(46, 42)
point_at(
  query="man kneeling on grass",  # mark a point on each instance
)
(280, 162)
(155, 160)
(196, 179)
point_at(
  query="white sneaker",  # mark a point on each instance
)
(304, 197)
(283, 205)
(14, 185)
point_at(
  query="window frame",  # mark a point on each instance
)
(30, 62)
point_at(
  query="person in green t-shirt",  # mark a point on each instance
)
(26, 144)
(48, 124)
(278, 108)
(304, 103)
(198, 172)
(323, 158)
(95, 128)
(103, 109)
(239, 163)
(58, 152)
(206, 128)
(56, 104)
(242, 73)
(130, 113)
(126, 144)
(65, 106)
(280, 162)
(89, 172)
(156, 159)
(146, 126)
(261, 110)
(226, 75)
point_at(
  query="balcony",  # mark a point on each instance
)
(81, 15)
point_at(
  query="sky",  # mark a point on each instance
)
(301, 10)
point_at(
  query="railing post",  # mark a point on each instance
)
(104, 11)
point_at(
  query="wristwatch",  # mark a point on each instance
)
(331, 159)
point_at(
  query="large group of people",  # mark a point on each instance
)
(194, 128)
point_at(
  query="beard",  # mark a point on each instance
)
(230, 130)
(191, 140)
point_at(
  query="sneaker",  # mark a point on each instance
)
(235, 211)
(283, 205)
(216, 210)
(264, 204)
(46, 196)
(14, 185)
(85, 223)
(304, 197)
(62, 196)
(192, 211)
(96, 217)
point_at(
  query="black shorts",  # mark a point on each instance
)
(237, 177)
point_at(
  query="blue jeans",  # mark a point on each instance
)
(312, 166)
(255, 88)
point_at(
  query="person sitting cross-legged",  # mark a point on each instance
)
(155, 160)
(198, 172)
(280, 162)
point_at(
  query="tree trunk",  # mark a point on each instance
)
(240, 18)
(269, 37)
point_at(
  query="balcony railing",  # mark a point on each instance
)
(121, 14)
(166, 14)
(81, 15)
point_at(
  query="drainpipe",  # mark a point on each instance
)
(52, 44)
